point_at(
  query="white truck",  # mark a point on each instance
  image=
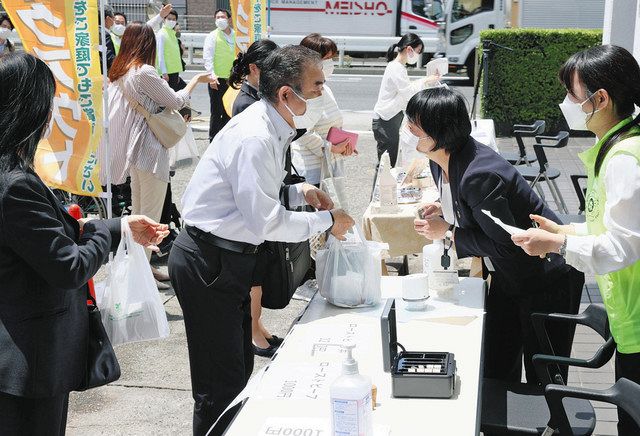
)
(448, 28)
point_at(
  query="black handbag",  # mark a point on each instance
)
(102, 364)
(287, 262)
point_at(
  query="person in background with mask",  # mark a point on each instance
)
(107, 44)
(230, 207)
(6, 28)
(603, 85)
(117, 30)
(169, 60)
(471, 178)
(219, 53)
(395, 91)
(312, 150)
(120, 23)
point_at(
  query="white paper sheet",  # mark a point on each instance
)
(507, 228)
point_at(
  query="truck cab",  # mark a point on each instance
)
(458, 24)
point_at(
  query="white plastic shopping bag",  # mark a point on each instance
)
(131, 307)
(186, 148)
(349, 272)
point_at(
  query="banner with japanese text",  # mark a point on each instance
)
(249, 22)
(64, 34)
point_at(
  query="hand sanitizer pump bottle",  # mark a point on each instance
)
(351, 408)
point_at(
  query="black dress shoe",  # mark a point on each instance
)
(264, 352)
(274, 340)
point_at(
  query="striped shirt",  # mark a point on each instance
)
(131, 141)
(308, 151)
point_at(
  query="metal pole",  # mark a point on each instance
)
(105, 109)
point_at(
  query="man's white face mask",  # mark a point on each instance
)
(222, 23)
(311, 116)
(118, 29)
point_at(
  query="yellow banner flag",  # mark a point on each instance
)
(64, 34)
(249, 22)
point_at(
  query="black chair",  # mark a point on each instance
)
(580, 192)
(521, 409)
(544, 172)
(624, 394)
(523, 131)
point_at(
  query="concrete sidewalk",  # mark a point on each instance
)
(153, 396)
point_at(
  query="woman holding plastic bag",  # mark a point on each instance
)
(46, 260)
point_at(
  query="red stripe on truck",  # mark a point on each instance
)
(297, 9)
(419, 19)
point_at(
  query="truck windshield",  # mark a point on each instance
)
(465, 8)
(431, 9)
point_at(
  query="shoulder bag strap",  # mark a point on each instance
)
(133, 102)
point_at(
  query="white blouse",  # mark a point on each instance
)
(131, 141)
(619, 246)
(308, 151)
(396, 90)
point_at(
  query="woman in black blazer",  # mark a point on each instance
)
(480, 179)
(46, 260)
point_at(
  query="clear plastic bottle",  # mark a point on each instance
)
(387, 184)
(441, 280)
(351, 409)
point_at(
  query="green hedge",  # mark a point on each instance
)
(523, 84)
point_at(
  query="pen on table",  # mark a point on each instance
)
(535, 225)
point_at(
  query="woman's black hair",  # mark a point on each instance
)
(256, 54)
(442, 114)
(409, 40)
(174, 13)
(613, 69)
(26, 97)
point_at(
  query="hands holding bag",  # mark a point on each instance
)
(131, 307)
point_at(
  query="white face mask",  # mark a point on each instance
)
(408, 138)
(5, 33)
(170, 24)
(222, 23)
(412, 57)
(311, 116)
(118, 29)
(327, 68)
(573, 113)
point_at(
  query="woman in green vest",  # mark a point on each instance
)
(603, 85)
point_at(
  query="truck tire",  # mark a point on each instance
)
(470, 64)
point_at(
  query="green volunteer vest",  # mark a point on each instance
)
(620, 290)
(116, 42)
(223, 56)
(171, 52)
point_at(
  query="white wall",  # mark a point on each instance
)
(622, 25)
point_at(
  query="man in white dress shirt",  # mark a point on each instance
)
(231, 205)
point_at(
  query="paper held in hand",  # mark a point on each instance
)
(507, 228)
(438, 66)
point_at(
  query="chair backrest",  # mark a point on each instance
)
(558, 141)
(580, 191)
(527, 130)
(624, 393)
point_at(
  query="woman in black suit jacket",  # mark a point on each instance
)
(480, 179)
(46, 260)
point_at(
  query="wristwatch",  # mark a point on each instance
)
(562, 251)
